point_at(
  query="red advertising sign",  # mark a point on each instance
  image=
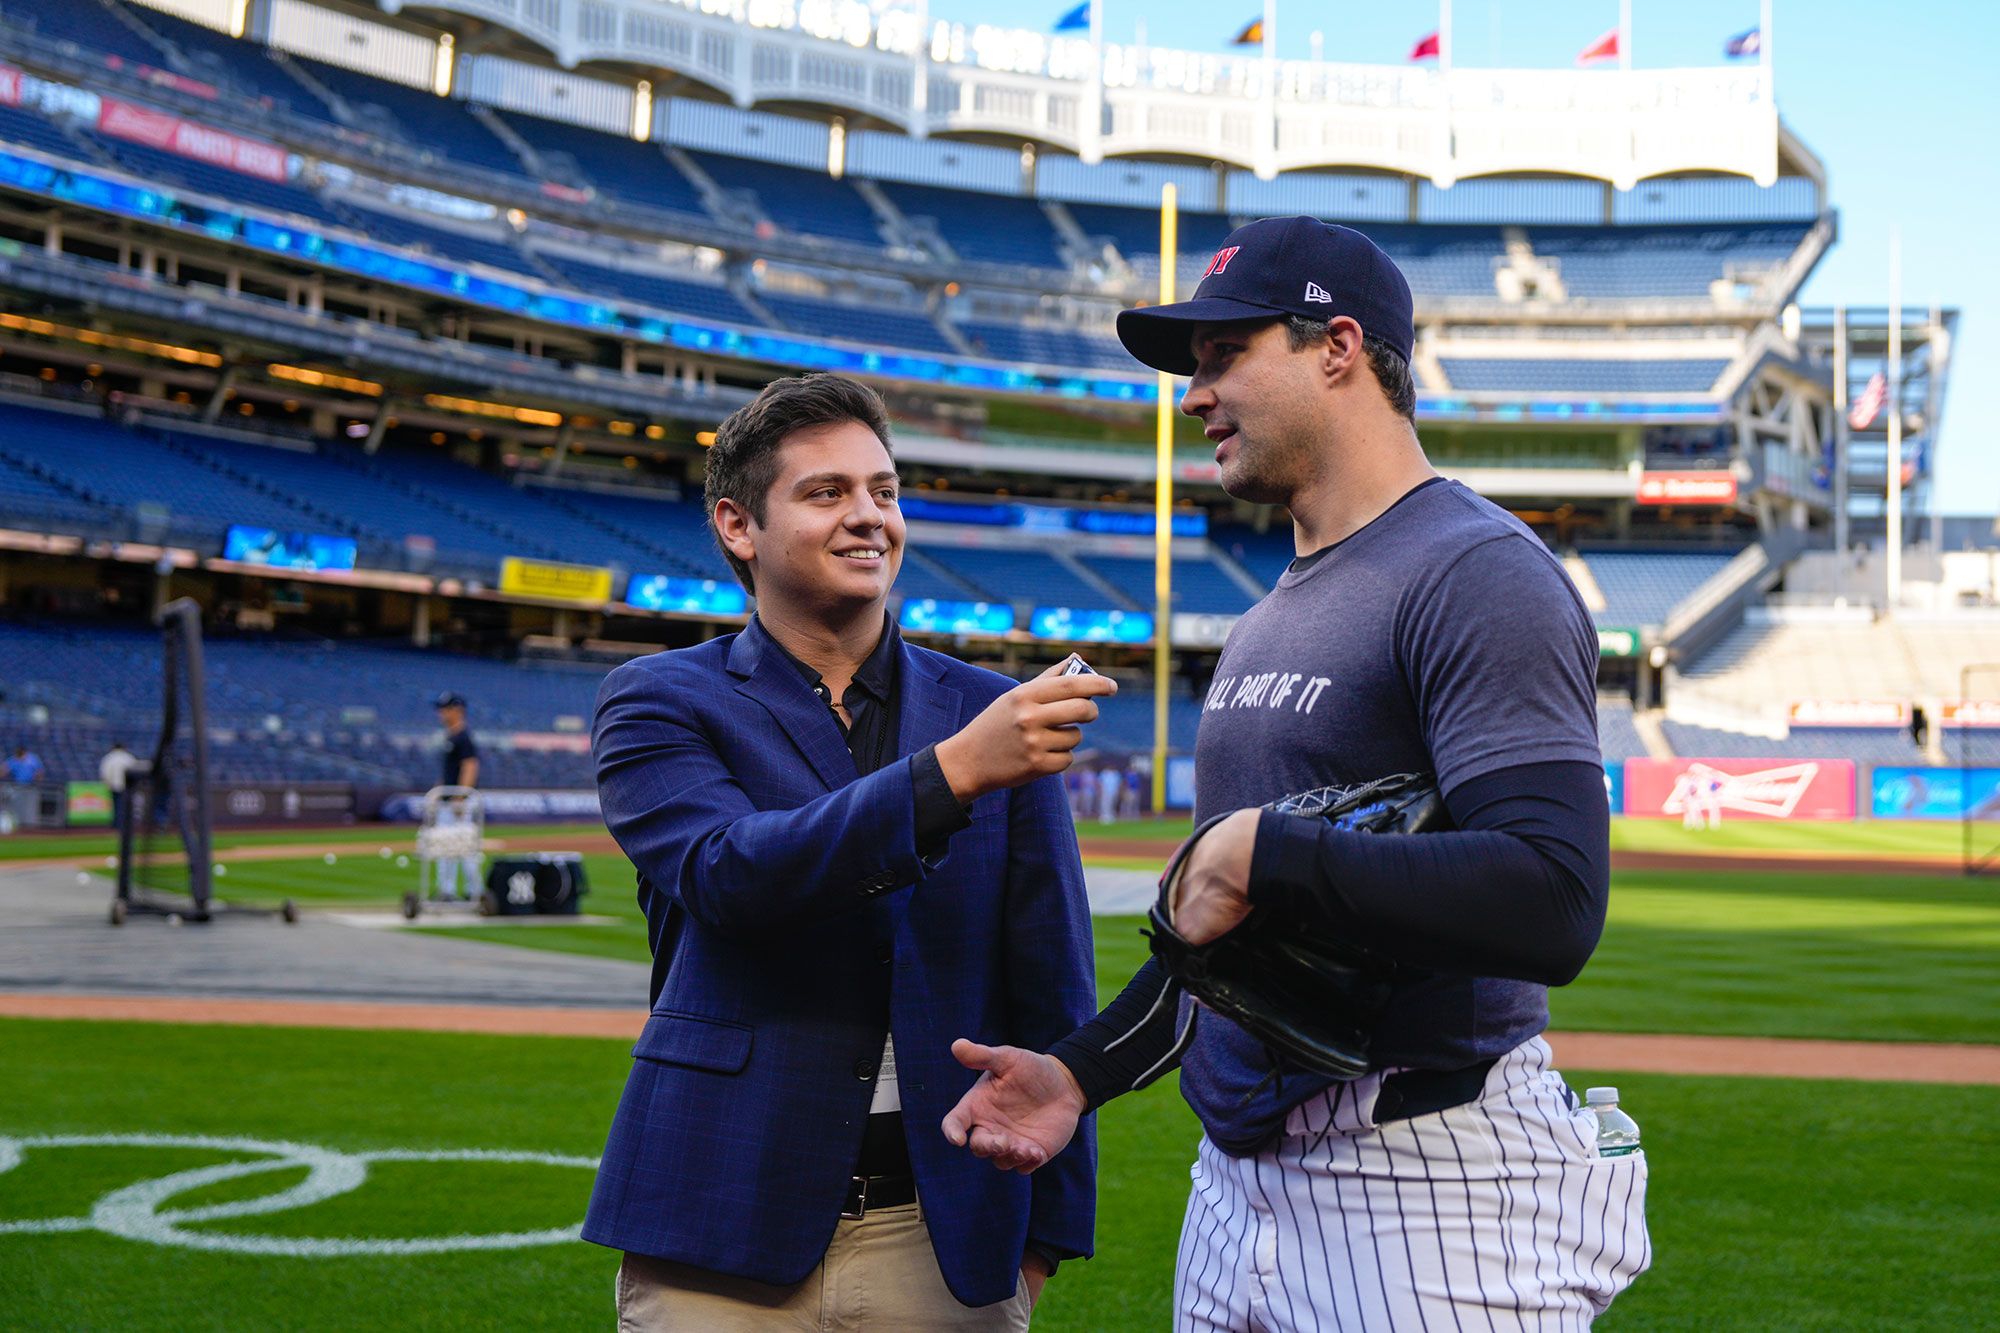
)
(1850, 713)
(1687, 488)
(158, 129)
(10, 86)
(1971, 713)
(1715, 791)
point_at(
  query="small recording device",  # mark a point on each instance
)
(1076, 666)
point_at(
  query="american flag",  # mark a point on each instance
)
(1870, 404)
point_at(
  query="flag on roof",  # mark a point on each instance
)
(1427, 48)
(1604, 48)
(1076, 20)
(1870, 404)
(1252, 34)
(1745, 44)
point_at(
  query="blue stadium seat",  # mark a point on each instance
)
(87, 25)
(1199, 585)
(1641, 587)
(425, 119)
(1572, 375)
(1037, 345)
(1265, 554)
(1864, 745)
(170, 169)
(1624, 262)
(811, 202)
(870, 325)
(619, 167)
(983, 228)
(442, 242)
(1616, 735)
(18, 126)
(1136, 231)
(694, 297)
(234, 62)
(1012, 575)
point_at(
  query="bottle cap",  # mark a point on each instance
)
(1600, 1096)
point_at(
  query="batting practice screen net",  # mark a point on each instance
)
(164, 835)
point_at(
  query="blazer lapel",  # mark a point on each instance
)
(802, 719)
(930, 707)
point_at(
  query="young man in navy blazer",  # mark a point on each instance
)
(850, 851)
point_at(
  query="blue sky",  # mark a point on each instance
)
(1898, 101)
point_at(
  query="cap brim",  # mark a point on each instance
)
(1159, 336)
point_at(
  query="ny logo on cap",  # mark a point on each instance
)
(1315, 292)
(1221, 260)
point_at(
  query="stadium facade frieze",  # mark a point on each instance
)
(1100, 99)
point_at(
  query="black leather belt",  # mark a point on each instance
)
(1415, 1092)
(866, 1192)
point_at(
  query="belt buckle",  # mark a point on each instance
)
(857, 1198)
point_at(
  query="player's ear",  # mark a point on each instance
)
(1340, 352)
(736, 529)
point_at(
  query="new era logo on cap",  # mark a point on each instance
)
(1260, 273)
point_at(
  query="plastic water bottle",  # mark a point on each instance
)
(1617, 1133)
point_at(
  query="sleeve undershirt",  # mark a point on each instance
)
(1518, 890)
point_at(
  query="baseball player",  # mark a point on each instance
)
(461, 769)
(1421, 629)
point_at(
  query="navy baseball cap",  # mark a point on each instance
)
(450, 699)
(1275, 267)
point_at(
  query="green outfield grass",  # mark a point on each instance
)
(44, 846)
(1774, 1204)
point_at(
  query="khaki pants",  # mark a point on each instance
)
(878, 1274)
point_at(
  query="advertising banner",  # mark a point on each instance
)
(1719, 790)
(1934, 793)
(288, 550)
(158, 129)
(667, 592)
(508, 807)
(1971, 713)
(929, 615)
(553, 582)
(1074, 626)
(1850, 713)
(1614, 786)
(86, 805)
(10, 86)
(281, 803)
(1617, 642)
(1687, 488)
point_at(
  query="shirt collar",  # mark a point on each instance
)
(876, 675)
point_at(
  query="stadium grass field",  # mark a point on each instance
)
(1774, 1203)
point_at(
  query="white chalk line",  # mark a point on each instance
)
(135, 1211)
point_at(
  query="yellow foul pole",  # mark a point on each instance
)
(1163, 512)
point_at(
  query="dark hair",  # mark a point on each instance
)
(1392, 372)
(743, 462)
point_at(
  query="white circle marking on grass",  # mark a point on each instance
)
(135, 1212)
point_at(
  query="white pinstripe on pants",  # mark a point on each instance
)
(1493, 1216)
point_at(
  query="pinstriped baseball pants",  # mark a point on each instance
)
(1493, 1216)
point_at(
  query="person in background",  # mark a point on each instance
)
(461, 769)
(25, 767)
(112, 771)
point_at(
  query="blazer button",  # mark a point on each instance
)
(864, 1069)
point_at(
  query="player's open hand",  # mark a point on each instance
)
(1214, 892)
(1021, 1112)
(1027, 733)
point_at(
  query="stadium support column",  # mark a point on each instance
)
(225, 385)
(420, 622)
(1840, 428)
(1893, 460)
(1163, 509)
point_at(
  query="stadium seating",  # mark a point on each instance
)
(443, 242)
(810, 202)
(1572, 375)
(1136, 233)
(983, 228)
(1627, 262)
(619, 167)
(233, 62)
(1768, 663)
(156, 164)
(422, 119)
(688, 296)
(1012, 575)
(1200, 586)
(849, 322)
(1443, 261)
(1616, 735)
(1867, 745)
(1266, 555)
(1042, 345)
(25, 127)
(87, 25)
(1641, 587)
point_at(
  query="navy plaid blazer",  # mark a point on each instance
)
(790, 912)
